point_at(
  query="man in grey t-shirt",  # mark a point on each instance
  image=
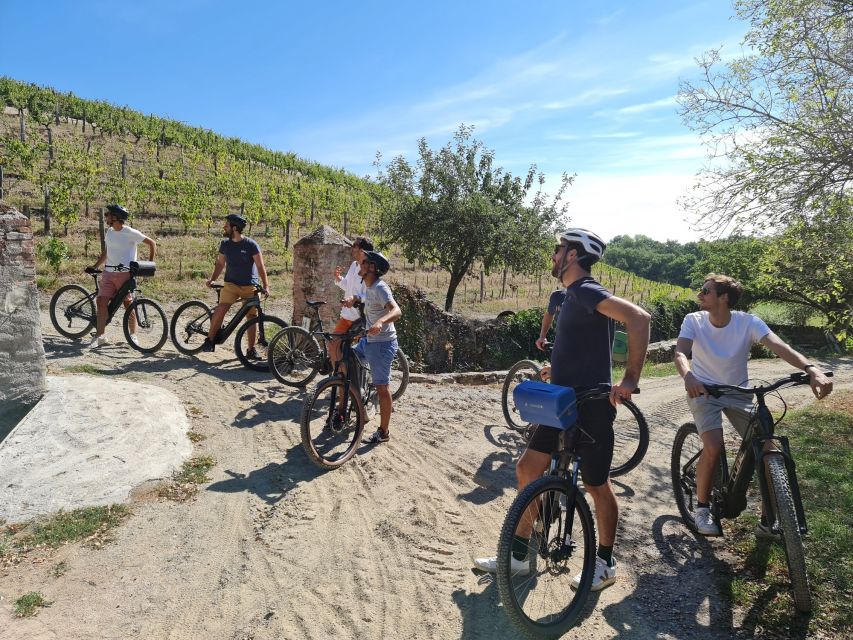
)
(380, 345)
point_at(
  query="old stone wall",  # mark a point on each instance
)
(22, 362)
(314, 260)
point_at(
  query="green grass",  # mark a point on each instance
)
(73, 525)
(195, 470)
(89, 369)
(195, 436)
(29, 604)
(821, 438)
(650, 370)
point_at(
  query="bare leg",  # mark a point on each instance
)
(712, 446)
(216, 320)
(606, 512)
(531, 466)
(101, 324)
(252, 335)
(131, 321)
(383, 393)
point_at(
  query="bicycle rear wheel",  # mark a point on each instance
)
(783, 505)
(539, 598)
(294, 356)
(267, 327)
(331, 429)
(630, 438)
(520, 371)
(190, 326)
(72, 311)
(399, 374)
(152, 329)
(686, 450)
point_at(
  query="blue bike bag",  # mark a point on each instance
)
(548, 404)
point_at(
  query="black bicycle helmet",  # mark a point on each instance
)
(118, 211)
(380, 261)
(237, 220)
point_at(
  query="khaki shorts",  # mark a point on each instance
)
(708, 411)
(231, 293)
(111, 282)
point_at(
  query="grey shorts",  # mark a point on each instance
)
(708, 411)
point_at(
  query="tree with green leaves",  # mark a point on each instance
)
(778, 121)
(455, 208)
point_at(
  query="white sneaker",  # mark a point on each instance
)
(98, 341)
(604, 575)
(134, 339)
(518, 567)
(704, 522)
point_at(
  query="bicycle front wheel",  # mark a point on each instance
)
(190, 326)
(520, 371)
(783, 505)
(265, 328)
(72, 311)
(294, 356)
(332, 423)
(538, 593)
(152, 329)
(399, 374)
(630, 438)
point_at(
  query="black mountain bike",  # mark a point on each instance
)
(539, 598)
(296, 356)
(73, 311)
(191, 323)
(333, 417)
(777, 479)
(630, 429)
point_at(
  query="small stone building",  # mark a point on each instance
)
(314, 260)
(22, 362)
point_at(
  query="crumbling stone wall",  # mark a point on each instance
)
(22, 362)
(314, 260)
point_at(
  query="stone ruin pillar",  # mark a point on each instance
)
(314, 260)
(22, 362)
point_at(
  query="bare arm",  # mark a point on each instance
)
(637, 322)
(152, 248)
(820, 384)
(262, 271)
(547, 319)
(392, 313)
(694, 388)
(100, 260)
(218, 266)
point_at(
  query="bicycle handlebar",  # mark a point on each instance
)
(599, 392)
(795, 379)
(117, 267)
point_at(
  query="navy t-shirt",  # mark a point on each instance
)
(581, 354)
(556, 301)
(240, 266)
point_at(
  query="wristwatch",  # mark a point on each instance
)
(807, 366)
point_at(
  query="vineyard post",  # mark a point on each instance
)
(1, 182)
(101, 233)
(503, 284)
(49, 145)
(287, 235)
(482, 285)
(123, 166)
(84, 117)
(47, 211)
(21, 119)
(346, 222)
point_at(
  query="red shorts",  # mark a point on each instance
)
(111, 282)
(342, 326)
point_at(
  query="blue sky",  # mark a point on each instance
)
(577, 86)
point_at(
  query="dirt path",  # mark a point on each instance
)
(274, 548)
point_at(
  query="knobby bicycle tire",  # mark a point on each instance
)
(294, 356)
(189, 326)
(626, 436)
(529, 371)
(325, 447)
(267, 327)
(548, 576)
(792, 541)
(399, 364)
(150, 313)
(76, 295)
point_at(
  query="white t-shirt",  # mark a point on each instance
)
(121, 246)
(720, 354)
(352, 285)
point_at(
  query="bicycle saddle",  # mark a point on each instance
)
(315, 303)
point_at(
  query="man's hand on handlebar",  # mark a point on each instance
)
(820, 384)
(622, 391)
(693, 386)
(545, 373)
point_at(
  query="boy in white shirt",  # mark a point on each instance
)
(120, 242)
(720, 340)
(352, 285)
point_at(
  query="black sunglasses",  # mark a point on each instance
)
(705, 291)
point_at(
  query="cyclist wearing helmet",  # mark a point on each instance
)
(581, 359)
(243, 263)
(380, 345)
(120, 242)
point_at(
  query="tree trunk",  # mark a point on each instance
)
(455, 279)
(503, 284)
(482, 284)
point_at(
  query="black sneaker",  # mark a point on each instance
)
(378, 437)
(207, 345)
(252, 354)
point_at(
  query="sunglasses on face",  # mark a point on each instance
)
(557, 248)
(706, 290)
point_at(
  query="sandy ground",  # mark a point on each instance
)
(90, 441)
(381, 548)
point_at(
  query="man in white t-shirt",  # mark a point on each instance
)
(120, 242)
(720, 340)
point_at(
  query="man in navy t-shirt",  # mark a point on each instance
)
(581, 359)
(244, 265)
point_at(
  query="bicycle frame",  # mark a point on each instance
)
(115, 302)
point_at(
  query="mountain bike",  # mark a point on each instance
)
(782, 505)
(333, 417)
(73, 310)
(630, 429)
(191, 323)
(539, 599)
(296, 356)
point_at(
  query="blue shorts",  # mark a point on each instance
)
(379, 356)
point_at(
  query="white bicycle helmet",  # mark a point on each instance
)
(593, 245)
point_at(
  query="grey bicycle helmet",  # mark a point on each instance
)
(378, 260)
(237, 220)
(118, 211)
